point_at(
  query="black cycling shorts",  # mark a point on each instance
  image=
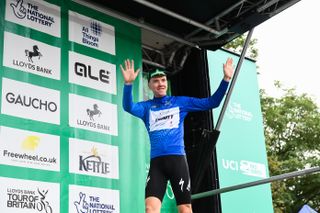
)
(173, 168)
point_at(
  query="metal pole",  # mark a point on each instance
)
(255, 183)
(234, 78)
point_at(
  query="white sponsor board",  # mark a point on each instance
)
(30, 101)
(29, 149)
(38, 15)
(96, 159)
(91, 114)
(31, 56)
(25, 196)
(91, 33)
(92, 199)
(90, 72)
(164, 119)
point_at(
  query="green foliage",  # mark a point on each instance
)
(236, 46)
(292, 132)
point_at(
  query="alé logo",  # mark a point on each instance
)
(91, 72)
(84, 70)
(18, 9)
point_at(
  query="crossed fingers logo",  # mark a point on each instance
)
(18, 9)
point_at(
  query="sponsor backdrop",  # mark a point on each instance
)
(241, 151)
(66, 145)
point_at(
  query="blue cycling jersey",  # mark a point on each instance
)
(163, 117)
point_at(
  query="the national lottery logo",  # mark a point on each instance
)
(88, 204)
(28, 200)
(31, 12)
(38, 15)
(18, 9)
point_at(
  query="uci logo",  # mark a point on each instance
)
(85, 71)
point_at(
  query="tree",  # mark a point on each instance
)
(236, 46)
(292, 132)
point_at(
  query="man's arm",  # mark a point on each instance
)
(200, 104)
(129, 75)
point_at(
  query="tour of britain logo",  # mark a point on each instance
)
(28, 199)
(83, 199)
(31, 56)
(20, 196)
(39, 15)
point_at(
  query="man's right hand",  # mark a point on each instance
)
(129, 75)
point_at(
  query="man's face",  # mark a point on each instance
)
(158, 86)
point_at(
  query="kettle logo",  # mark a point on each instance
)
(33, 53)
(94, 112)
(18, 9)
(30, 142)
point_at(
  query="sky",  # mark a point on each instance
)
(289, 50)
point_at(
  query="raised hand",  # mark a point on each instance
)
(228, 69)
(129, 75)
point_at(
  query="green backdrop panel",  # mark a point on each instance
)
(241, 152)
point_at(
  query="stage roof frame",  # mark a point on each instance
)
(171, 27)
